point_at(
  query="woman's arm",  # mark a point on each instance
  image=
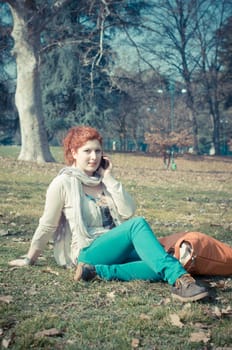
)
(124, 202)
(48, 223)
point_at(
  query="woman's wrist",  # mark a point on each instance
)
(28, 261)
(109, 180)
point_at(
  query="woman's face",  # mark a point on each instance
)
(88, 156)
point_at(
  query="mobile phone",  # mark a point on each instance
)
(104, 163)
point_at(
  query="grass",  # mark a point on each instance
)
(113, 315)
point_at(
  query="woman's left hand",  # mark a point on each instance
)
(104, 171)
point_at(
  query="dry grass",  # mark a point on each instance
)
(114, 315)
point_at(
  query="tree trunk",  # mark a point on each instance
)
(34, 142)
(192, 111)
(216, 139)
(216, 132)
(195, 131)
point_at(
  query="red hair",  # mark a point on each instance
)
(76, 137)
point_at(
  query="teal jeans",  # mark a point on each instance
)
(131, 251)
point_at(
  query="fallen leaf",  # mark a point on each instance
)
(19, 239)
(134, 343)
(218, 284)
(200, 325)
(123, 290)
(175, 320)
(217, 311)
(165, 301)
(4, 233)
(222, 312)
(49, 270)
(6, 342)
(111, 295)
(227, 311)
(196, 337)
(52, 332)
(187, 306)
(6, 299)
(144, 317)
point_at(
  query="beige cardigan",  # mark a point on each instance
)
(58, 220)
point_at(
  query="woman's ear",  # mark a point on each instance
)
(74, 153)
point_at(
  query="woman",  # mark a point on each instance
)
(88, 214)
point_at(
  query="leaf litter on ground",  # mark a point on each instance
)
(114, 315)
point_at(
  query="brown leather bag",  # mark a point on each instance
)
(208, 255)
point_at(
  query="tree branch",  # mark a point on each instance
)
(97, 59)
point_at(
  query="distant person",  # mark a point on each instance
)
(88, 214)
(114, 146)
(166, 158)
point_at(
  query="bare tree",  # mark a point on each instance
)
(28, 22)
(210, 78)
(174, 44)
(134, 92)
(174, 21)
(30, 19)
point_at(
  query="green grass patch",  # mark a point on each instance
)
(113, 315)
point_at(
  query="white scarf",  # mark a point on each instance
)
(78, 178)
(65, 248)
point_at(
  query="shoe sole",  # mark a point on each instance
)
(193, 298)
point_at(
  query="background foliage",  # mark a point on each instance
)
(129, 68)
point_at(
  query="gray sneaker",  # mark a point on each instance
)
(186, 289)
(85, 272)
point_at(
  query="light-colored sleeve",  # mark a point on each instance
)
(124, 203)
(54, 204)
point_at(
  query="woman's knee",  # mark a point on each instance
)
(139, 220)
(140, 223)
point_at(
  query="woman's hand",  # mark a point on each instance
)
(19, 262)
(104, 171)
